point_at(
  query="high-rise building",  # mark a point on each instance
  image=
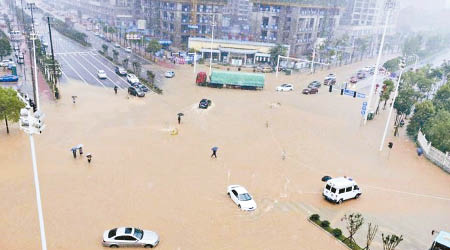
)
(297, 23)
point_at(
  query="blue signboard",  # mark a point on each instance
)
(349, 92)
(364, 108)
(193, 26)
(361, 95)
(165, 42)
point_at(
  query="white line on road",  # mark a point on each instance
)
(76, 72)
(127, 84)
(88, 71)
(105, 72)
(409, 193)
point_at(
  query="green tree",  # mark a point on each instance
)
(115, 55)
(412, 45)
(404, 102)
(137, 68)
(354, 222)
(5, 48)
(362, 44)
(390, 242)
(10, 106)
(275, 52)
(422, 113)
(437, 130)
(105, 48)
(150, 76)
(392, 65)
(153, 46)
(442, 98)
(388, 87)
(125, 63)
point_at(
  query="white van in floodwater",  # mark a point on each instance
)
(340, 189)
(442, 241)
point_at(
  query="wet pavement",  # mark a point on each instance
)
(143, 176)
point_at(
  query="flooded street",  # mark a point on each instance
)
(141, 175)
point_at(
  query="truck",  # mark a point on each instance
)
(227, 79)
(441, 242)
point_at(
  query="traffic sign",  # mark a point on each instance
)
(193, 26)
(361, 95)
(349, 92)
(363, 112)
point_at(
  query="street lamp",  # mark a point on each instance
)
(415, 63)
(212, 39)
(402, 67)
(389, 6)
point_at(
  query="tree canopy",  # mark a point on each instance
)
(276, 51)
(10, 106)
(153, 46)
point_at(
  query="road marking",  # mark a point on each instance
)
(409, 193)
(71, 53)
(88, 71)
(127, 84)
(76, 72)
(109, 79)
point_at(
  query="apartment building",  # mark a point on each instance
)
(296, 23)
(177, 20)
(236, 18)
(365, 19)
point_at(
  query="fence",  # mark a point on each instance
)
(433, 154)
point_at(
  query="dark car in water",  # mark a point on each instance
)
(135, 91)
(204, 103)
(310, 91)
(314, 84)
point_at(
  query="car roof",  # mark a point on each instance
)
(239, 189)
(443, 238)
(340, 182)
(125, 231)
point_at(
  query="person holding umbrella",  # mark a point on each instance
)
(214, 152)
(74, 152)
(179, 117)
(89, 157)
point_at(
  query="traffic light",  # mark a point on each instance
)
(390, 145)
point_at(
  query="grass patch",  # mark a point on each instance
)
(336, 232)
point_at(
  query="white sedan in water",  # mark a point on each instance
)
(130, 237)
(241, 197)
(285, 87)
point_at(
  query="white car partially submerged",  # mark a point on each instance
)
(241, 197)
(130, 237)
(101, 74)
(169, 74)
(285, 87)
(128, 50)
(131, 78)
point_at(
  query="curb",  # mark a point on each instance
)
(330, 235)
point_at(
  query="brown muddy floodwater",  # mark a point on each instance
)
(143, 176)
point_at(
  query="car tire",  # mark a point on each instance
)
(357, 196)
(340, 201)
(228, 194)
(114, 246)
(148, 246)
(239, 206)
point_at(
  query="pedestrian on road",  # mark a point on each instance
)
(179, 119)
(214, 152)
(74, 97)
(419, 151)
(74, 152)
(89, 157)
(81, 150)
(115, 89)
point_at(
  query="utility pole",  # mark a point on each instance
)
(55, 80)
(33, 37)
(212, 39)
(389, 5)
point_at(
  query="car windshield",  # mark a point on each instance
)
(245, 197)
(112, 233)
(138, 233)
